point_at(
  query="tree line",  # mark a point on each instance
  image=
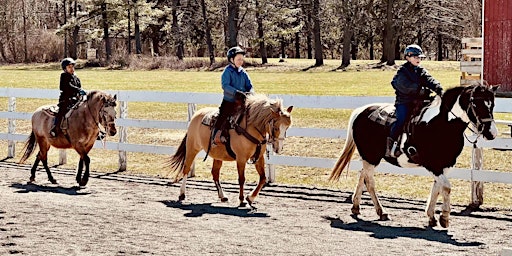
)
(48, 30)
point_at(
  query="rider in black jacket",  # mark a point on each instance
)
(410, 83)
(70, 87)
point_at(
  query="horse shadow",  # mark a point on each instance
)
(198, 210)
(30, 187)
(391, 232)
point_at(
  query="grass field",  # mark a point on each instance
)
(360, 79)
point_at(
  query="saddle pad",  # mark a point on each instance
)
(210, 118)
(51, 110)
(384, 115)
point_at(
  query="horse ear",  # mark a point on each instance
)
(115, 96)
(494, 88)
(290, 108)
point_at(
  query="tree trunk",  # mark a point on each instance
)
(129, 40)
(439, 45)
(65, 21)
(283, 53)
(261, 36)
(347, 38)
(138, 44)
(297, 45)
(389, 34)
(108, 50)
(309, 20)
(207, 30)
(319, 58)
(25, 51)
(176, 30)
(233, 11)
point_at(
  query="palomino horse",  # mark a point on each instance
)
(262, 117)
(436, 141)
(81, 133)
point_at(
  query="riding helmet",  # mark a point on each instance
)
(414, 50)
(233, 51)
(65, 62)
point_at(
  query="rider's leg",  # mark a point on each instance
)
(225, 110)
(402, 113)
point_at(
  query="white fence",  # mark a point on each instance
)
(322, 102)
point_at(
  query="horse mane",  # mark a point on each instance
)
(450, 97)
(260, 109)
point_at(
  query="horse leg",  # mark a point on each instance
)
(79, 170)
(189, 159)
(370, 186)
(260, 168)
(356, 197)
(431, 202)
(444, 219)
(240, 165)
(217, 164)
(85, 179)
(50, 176)
(33, 170)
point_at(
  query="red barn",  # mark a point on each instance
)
(498, 43)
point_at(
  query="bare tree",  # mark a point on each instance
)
(319, 58)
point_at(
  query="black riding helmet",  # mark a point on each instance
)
(233, 51)
(65, 62)
(414, 50)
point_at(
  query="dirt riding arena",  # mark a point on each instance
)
(127, 215)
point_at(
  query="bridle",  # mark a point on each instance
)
(101, 114)
(479, 121)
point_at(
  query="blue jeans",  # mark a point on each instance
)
(402, 113)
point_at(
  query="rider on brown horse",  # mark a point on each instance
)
(70, 89)
(235, 83)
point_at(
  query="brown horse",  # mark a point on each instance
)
(263, 117)
(81, 132)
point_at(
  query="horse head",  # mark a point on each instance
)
(478, 103)
(108, 113)
(280, 122)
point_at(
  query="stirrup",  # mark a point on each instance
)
(52, 132)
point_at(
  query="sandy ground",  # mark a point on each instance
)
(130, 215)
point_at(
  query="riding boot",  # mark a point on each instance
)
(218, 138)
(53, 131)
(390, 147)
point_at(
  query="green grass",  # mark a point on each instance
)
(360, 79)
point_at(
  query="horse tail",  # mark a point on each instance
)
(178, 159)
(348, 150)
(29, 147)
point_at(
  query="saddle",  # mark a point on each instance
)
(385, 115)
(232, 122)
(53, 110)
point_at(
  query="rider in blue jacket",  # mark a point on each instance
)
(410, 83)
(235, 83)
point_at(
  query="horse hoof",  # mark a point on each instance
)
(53, 181)
(181, 197)
(32, 180)
(432, 222)
(242, 204)
(355, 210)
(251, 202)
(83, 183)
(444, 222)
(384, 217)
(224, 199)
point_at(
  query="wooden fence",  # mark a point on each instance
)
(476, 174)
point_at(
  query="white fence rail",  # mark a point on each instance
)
(322, 102)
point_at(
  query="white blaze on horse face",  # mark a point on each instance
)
(458, 112)
(280, 139)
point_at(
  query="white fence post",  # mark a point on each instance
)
(477, 187)
(191, 110)
(123, 135)
(270, 169)
(11, 128)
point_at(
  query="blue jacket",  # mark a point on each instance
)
(233, 80)
(410, 83)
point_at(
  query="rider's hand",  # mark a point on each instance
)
(439, 91)
(82, 92)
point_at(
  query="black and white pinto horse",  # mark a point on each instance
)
(435, 143)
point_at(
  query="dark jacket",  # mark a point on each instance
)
(410, 83)
(234, 80)
(70, 86)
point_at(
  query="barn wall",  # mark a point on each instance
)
(498, 43)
